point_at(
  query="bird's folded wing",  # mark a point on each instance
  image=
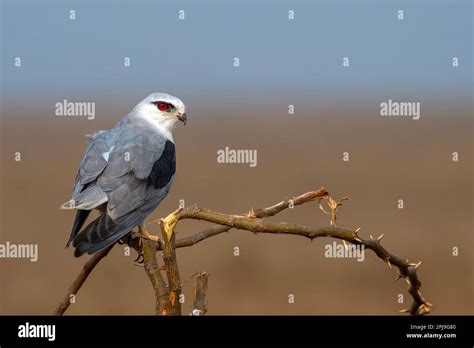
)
(124, 179)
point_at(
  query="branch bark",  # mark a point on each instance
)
(200, 290)
(171, 268)
(154, 274)
(259, 213)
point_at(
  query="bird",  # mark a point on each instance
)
(125, 173)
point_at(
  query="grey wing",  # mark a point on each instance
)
(138, 175)
(86, 195)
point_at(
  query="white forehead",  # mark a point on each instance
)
(167, 98)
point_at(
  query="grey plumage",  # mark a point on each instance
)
(125, 173)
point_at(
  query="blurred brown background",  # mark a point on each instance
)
(390, 158)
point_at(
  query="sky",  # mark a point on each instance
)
(63, 57)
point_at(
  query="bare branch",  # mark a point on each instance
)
(171, 264)
(262, 226)
(153, 271)
(259, 213)
(80, 279)
(253, 222)
(419, 306)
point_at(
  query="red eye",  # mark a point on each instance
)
(162, 106)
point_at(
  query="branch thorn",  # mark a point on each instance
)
(251, 214)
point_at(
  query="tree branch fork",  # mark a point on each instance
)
(168, 293)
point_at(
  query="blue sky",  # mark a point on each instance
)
(61, 57)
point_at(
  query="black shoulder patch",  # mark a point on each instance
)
(164, 168)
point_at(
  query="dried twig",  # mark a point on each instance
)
(259, 213)
(419, 306)
(253, 222)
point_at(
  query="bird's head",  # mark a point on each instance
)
(163, 110)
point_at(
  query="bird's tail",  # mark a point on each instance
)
(98, 235)
(81, 216)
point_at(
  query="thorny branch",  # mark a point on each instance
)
(252, 221)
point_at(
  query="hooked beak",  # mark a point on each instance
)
(183, 118)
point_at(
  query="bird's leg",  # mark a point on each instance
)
(140, 259)
(168, 223)
(130, 241)
(145, 234)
